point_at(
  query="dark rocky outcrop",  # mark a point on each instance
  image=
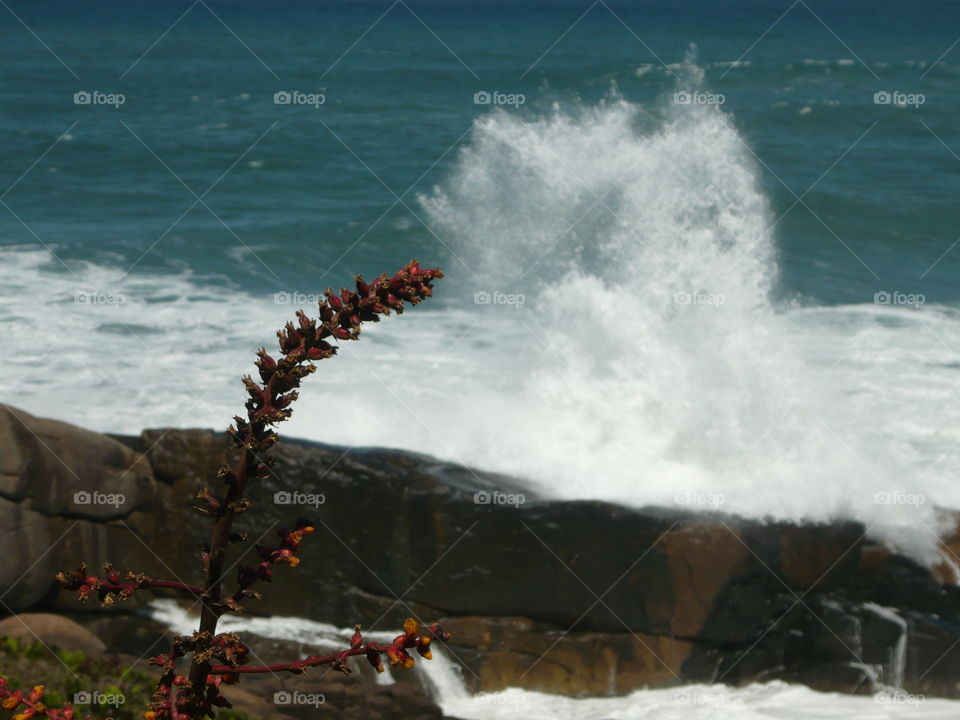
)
(570, 597)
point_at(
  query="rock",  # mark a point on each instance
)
(702, 559)
(322, 692)
(253, 705)
(654, 597)
(54, 631)
(57, 469)
(124, 632)
(26, 574)
(514, 652)
(59, 485)
(821, 560)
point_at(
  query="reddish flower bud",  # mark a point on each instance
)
(438, 633)
(373, 657)
(335, 302)
(318, 352)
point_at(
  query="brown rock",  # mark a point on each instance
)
(703, 558)
(572, 597)
(26, 574)
(58, 469)
(58, 485)
(52, 631)
(515, 652)
(819, 556)
(320, 692)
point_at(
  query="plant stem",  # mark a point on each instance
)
(219, 540)
(294, 667)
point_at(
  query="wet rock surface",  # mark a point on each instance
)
(579, 598)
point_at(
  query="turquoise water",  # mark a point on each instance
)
(723, 299)
(399, 99)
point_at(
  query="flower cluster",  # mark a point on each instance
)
(287, 553)
(396, 653)
(112, 586)
(341, 315)
(30, 704)
(221, 658)
(228, 659)
(289, 547)
(175, 697)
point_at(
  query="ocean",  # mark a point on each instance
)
(700, 254)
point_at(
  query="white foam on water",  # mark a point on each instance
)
(769, 701)
(895, 669)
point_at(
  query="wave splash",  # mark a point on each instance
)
(618, 338)
(652, 363)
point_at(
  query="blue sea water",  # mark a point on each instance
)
(399, 81)
(749, 297)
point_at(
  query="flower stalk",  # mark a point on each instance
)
(215, 659)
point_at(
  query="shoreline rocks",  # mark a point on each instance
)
(578, 598)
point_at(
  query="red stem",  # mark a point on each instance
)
(295, 666)
(195, 589)
(219, 541)
(171, 584)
